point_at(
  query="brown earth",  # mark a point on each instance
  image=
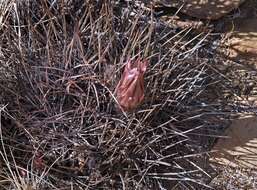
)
(236, 155)
(203, 9)
(239, 149)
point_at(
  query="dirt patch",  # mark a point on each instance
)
(204, 9)
(240, 30)
(231, 178)
(240, 148)
(243, 42)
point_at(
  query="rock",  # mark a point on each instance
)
(240, 149)
(203, 9)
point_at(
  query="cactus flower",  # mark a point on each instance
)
(130, 89)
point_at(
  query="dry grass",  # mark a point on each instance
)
(60, 123)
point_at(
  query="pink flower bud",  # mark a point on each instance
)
(130, 89)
